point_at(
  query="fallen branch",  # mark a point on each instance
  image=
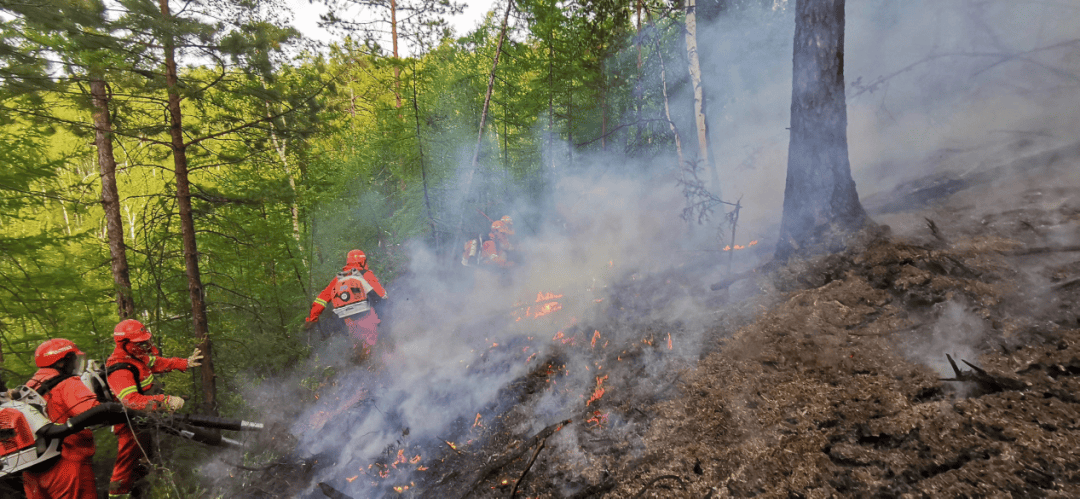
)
(934, 229)
(1043, 249)
(540, 446)
(1059, 287)
(509, 457)
(331, 492)
(657, 479)
(988, 382)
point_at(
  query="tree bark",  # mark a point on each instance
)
(110, 198)
(821, 204)
(208, 404)
(667, 108)
(694, 67)
(393, 34)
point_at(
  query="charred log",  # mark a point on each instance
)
(509, 457)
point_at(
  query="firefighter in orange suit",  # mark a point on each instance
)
(131, 369)
(498, 250)
(71, 475)
(353, 292)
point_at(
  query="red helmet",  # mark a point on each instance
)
(130, 330)
(53, 351)
(501, 226)
(356, 257)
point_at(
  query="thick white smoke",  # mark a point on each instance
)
(932, 82)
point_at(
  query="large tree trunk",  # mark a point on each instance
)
(110, 198)
(208, 404)
(820, 202)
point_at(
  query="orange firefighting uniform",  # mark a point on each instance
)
(495, 251)
(133, 443)
(344, 293)
(71, 477)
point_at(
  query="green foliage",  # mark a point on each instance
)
(293, 162)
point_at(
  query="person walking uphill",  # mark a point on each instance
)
(131, 369)
(353, 292)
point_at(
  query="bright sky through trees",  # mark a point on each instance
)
(306, 18)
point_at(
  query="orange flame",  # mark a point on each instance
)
(547, 308)
(669, 341)
(599, 390)
(739, 246)
(598, 418)
(477, 422)
(595, 336)
(350, 480)
(415, 459)
(546, 296)
(451, 444)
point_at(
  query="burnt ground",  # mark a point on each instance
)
(819, 378)
(834, 391)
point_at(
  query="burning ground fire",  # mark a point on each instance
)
(739, 246)
(550, 368)
(544, 305)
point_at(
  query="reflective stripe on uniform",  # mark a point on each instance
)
(126, 391)
(152, 360)
(320, 301)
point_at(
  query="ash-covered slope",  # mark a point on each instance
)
(836, 390)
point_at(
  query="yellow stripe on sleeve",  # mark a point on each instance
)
(125, 392)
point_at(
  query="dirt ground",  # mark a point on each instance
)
(836, 388)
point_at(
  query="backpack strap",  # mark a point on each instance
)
(47, 385)
(130, 367)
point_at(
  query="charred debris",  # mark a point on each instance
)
(944, 363)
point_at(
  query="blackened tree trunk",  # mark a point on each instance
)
(208, 404)
(821, 205)
(110, 197)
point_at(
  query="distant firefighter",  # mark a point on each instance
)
(354, 292)
(499, 250)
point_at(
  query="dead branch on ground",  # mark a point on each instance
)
(509, 457)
